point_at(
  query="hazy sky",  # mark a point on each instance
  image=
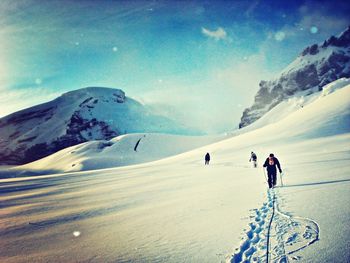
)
(201, 60)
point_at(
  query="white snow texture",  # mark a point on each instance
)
(179, 210)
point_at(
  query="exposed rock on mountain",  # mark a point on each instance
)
(77, 116)
(315, 67)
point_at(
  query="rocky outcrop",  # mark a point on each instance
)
(316, 66)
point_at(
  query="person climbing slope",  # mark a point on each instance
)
(253, 158)
(270, 164)
(207, 158)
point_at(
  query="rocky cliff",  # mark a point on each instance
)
(315, 67)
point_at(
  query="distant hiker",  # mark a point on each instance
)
(207, 158)
(253, 158)
(271, 163)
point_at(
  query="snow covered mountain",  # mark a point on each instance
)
(140, 148)
(78, 116)
(179, 210)
(315, 67)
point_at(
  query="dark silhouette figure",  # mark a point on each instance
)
(270, 164)
(253, 158)
(137, 144)
(207, 158)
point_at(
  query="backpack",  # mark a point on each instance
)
(207, 157)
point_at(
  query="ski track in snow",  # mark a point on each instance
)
(281, 240)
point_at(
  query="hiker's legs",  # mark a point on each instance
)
(270, 178)
(274, 179)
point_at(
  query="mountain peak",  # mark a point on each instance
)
(314, 68)
(95, 92)
(90, 93)
(92, 113)
(342, 41)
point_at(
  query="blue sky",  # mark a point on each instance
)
(199, 59)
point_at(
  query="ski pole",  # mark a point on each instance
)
(265, 175)
(281, 179)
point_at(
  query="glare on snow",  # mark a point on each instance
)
(76, 233)
(115, 49)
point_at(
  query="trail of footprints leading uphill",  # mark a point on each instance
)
(288, 235)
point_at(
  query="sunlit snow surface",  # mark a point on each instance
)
(76, 233)
(178, 210)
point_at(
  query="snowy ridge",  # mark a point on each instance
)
(292, 105)
(314, 68)
(120, 151)
(78, 116)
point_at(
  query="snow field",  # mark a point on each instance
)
(178, 210)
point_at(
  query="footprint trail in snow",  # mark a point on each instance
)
(287, 235)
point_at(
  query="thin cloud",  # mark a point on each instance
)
(326, 23)
(252, 7)
(219, 34)
(15, 100)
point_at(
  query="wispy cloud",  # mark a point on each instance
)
(327, 24)
(218, 34)
(14, 100)
(251, 8)
(314, 24)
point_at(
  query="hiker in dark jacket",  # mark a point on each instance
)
(253, 158)
(207, 158)
(270, 165)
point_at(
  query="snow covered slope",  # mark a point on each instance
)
(294, 103)
(178, 210)
(120, 151)
(315, 67)
(77, 116)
